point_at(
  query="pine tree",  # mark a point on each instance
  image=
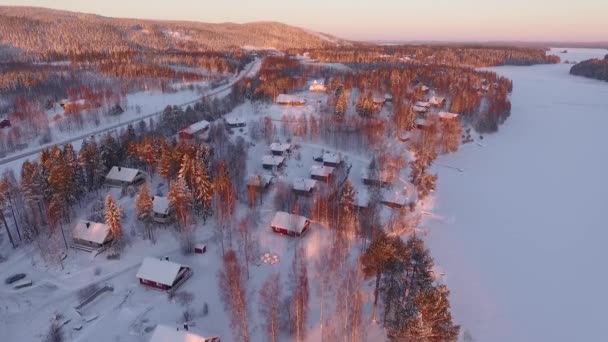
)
(347, 208)
(202, 188)
(3, 203)
(434, 307)
(341, 104)
(114, 222)
(144, 208)
(180, 199)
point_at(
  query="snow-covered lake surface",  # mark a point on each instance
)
(522, 232)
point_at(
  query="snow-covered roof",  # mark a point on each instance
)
(290, 222)
(321, 170)
(272, 160)
(280, 147)
(395, 197)
(160, 205)
(304, 184)
(91, 231)
(424, 88)
(164, 333)
(123, 174)
(286, 98)
(436, 100)
(421, 122)
(196, 127)
(420, 109)
(160, 271)
(332, 157)
(447, 115)
(259, 180)
(378, 99)
(422, 104)
(234, 120)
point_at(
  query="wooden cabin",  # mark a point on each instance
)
(162, 274)
(163, 333)
(124, 176)
(289, 224)
(90, 236)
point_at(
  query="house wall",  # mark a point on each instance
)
(86, 243)
(153, 284)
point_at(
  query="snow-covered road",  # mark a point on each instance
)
(524, 238)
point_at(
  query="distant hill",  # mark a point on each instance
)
(41, 31)
(592, 68)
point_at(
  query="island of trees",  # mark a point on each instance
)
(592, 68)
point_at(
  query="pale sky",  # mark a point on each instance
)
(456, 20)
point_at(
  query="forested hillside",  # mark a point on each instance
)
(46, 34)
(592, 68)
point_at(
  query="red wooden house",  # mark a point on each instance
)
(162, 274)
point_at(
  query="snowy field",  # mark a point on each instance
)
(521, 232)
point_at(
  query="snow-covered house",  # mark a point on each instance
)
(259, 182)
(124, 176)
(163, 333)
(279, 149)
(289, 224)
(437, 101)
(160, 209)
(424, 104)
(447, 116)
(328, 158)
(162, 274)
(422, 123)
(235, 121)
(419, 109)
(303, 186)
(270, 162)
(290, 100)
(388, 98)
(424, 88)
(196, 130)
(321, 172)
(90, 236)
(317, 87)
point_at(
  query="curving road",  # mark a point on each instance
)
(127, 122)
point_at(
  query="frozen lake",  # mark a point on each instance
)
(523, 233)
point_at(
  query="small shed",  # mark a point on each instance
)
(235, 121)
(303, 186)
(163, 333)
(321, 172)
(424, 104)
(195, 130)
(270, 162)
(162, 274)
(279, 149)
(422, 123)
(332, 159)
(289, 224)
(200, 248)
(447, 116)
(160, 209)
(290, 100)
(124, 176)
(90, 236)
(419, 109)
(5, 123)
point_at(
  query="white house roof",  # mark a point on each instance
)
(321, 170)
(424, 88)
(378, 99)
(420, 109)
(421, 122)
(164, 333)
(317, 86)
(196, 127)
(422, 104)
(123, 174)
(91, 231)
(383, 176)
(159, 271)
(280, 147)
(234, 120)
(290, 222)
(331, 157)
(447, 115)
(160, 205)
(395, 197)
(304, 184)
(272, 160)
(285, 98)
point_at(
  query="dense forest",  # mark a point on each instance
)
(592, 68)
(453, 55)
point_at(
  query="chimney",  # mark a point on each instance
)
(166, 258)
(186, 326)
(88, 224)
(119, 168)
